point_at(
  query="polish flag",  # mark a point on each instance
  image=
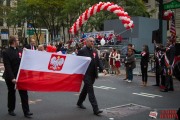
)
(51, 72)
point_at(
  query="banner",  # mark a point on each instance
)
(101, 33)
(50, 72)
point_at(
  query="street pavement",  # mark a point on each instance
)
(114, 96)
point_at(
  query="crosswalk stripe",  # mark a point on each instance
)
(108, 87)
(1, 79)
(143, 95)
(147, 95)
(151, 94)
(1, 74)
(104, 87)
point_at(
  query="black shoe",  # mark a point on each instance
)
(98, 112)
(81, 106)
(171, 89)
(125, 79)
(12, 113)
(155, 85)
(28, 115)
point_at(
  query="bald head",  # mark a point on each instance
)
(41, 48)
(33, 42)
(90, 42)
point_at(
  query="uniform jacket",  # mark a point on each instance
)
(11, 59)
(92, 70)
(170, 53)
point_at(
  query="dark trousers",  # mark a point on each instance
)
(144, 73)
(163, 78)
(130, 74)
(169, 82)
(157, 73)
(12, 98)
(88, 89)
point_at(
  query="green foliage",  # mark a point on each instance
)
(54, 14)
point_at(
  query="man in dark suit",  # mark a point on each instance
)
(11, 59)
(90, 75)
(32, 45)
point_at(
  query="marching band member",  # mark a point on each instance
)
(117, 63)
(112, 57)
(169, 63)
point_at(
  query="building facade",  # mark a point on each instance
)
(154, 5)
(6, 30)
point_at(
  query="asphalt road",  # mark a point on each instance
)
(110, 91)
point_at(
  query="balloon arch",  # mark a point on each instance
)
(114, 8)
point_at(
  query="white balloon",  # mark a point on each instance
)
(130, 24)
(125, 25)
(125, 13)
(125, 18)
(103, 41)
(166, 14)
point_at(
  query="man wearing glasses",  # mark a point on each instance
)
(90, 75)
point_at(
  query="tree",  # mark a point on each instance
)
(40, 14)
(56, 14)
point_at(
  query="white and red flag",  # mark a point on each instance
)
(51, 72)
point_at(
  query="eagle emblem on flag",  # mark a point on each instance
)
(56, 62)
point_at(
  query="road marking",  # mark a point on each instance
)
(1, 74)
(104, 87)
(147, 95)
(127, 105)
(1, 79)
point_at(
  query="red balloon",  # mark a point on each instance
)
(98, 10)
(113, 9)
(132, 26)
(127, 27)
(92, 10)
(105, 8)
(119, 14)
(86, 15)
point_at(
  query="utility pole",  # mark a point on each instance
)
(160, 20)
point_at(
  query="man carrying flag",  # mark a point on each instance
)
(90, 75)
(11, 59)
